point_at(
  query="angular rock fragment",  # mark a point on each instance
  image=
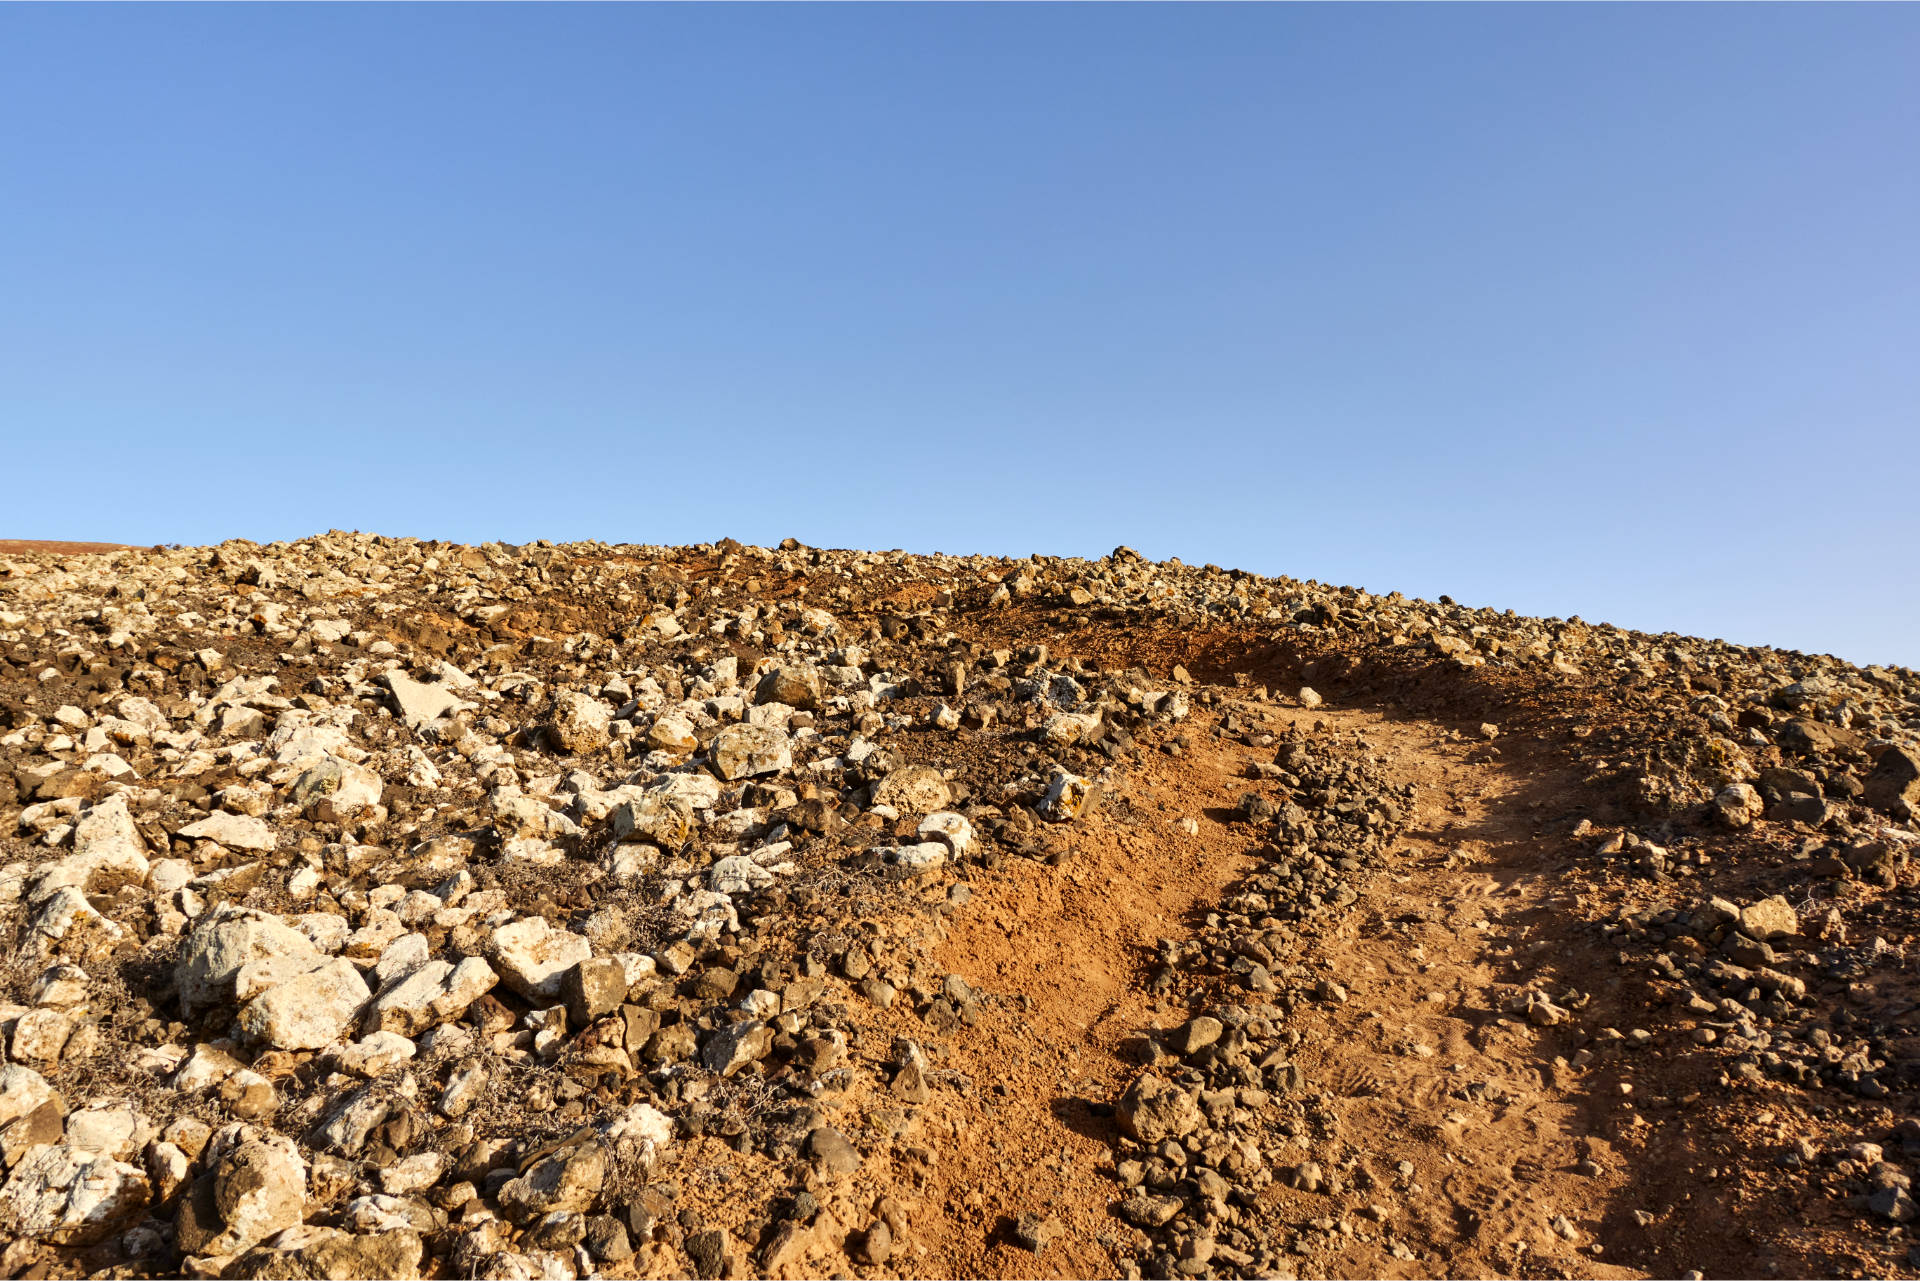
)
(313, 1251)
(594, 988)
(1894, 785)
(796, 685)
(69, 1196)
(744, 751)
(310, 1011)
(335, 791)
(1769, 919)
(1066, 798)
(736, 1045)
(568, 1180)
(423, 706)
(1152, 1110)
(914, 789)
(226, 940)
(580, 724)
(435, 993)
(914, 860)
(256, 1187)
(532, 957)
(951, 830)
(1738, 805)
(235, 831)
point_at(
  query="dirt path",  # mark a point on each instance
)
(1372, 992)
(1072, 941)
(1461, 1142)
(1485, 1155)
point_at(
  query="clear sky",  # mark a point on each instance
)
(1604, 310)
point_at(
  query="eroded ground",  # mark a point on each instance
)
(382, 907)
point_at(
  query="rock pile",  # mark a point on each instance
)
(1221, 1105)
(399, 916)
(382, 907)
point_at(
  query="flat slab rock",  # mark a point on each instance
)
(235, 831)
(71, 1196)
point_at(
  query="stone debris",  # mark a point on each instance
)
(336, 791)
(308, 1011)
(745, 751)
(532, 957)
(423, 998)
(231, 941)
(235, 831)
(913, 789)
(71, 1196)
(255, 1188)
(581, 723)
(392, 908)
(423, 706)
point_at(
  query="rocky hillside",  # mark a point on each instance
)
(379, 907)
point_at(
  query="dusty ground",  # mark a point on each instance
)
(1417, 1065)
(1470, 925)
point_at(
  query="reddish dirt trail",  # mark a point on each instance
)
(1467, 1135)
(1072, 940)
(1414, 1067)
(1376, 989)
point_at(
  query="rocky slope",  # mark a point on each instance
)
(380, 907)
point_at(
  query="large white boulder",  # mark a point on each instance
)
(225, 941)
(532, 956)
(310, 1011)
(70, 1196)
(746, 751)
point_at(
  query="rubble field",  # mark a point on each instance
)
(377, 907)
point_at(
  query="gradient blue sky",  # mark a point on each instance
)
(1601, 310)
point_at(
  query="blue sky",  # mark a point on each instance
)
(1608, 310)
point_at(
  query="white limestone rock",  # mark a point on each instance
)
(223, 942)
(952, 830)
(581, 723)
(336, 791)
(914, 789)
(69, 1196)
(23, 1090)
(235, 831)
(422, 705)
(531, 956)
(747, 751)
(309, 1012)
(439, 992)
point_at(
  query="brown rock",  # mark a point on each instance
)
(833, 1150)
(1152, 1110)
(1894, 785)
